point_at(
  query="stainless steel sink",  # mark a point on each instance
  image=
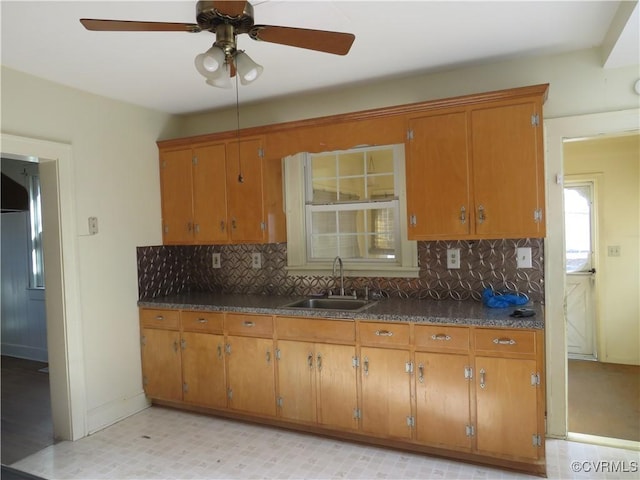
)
(350, 304)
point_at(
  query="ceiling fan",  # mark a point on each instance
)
(227, 19)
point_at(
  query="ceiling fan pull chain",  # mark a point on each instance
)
(240, 177)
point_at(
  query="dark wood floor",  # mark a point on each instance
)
(604, 399)
(26, 409)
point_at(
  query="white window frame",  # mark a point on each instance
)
(295, 184)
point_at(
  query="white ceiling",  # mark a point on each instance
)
(393, 39)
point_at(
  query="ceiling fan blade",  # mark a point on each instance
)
(132, 26)
(230, 8)
(321, 40)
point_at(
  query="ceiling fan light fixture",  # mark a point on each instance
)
(213, 59)
(247, 68)
(221, 79)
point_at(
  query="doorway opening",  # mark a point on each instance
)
(602, 280)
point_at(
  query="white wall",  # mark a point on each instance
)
(578, 85)
(115, 178)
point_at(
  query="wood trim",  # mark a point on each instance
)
(540, 90)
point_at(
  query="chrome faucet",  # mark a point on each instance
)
(338, 260)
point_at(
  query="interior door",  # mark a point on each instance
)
(580, 272)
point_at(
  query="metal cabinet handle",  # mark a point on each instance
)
(175, 346)
(504, 341)
(268, 356)
(222, 225)
(219, 351)
(310, 360)
(481, 216)
(463, 215)
(196, 227)
(319, 362)
(365, 366)
(233, 223)
(189, 226)
(441, 337)
(203, 320)
(482, 379)
(421, 373)
(249, 324)
(384, 333)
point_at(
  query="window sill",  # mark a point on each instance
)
(356, 270)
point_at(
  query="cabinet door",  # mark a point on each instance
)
(506, 407)
(250, 374)
(296, 380)
(507, 171)
(386, 392)
(438, 177)
(442, 400)
(210, 194)
(161, 366)
(203, 369)
(336, 386)
(176, 191)
(244, 184)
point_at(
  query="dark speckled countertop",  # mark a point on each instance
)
(452, 312)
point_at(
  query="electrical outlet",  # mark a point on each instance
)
(523, 257)
(215, 260)
(613, 251)
(256, 260)
(453, 258)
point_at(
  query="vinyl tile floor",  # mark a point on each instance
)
(162, 443)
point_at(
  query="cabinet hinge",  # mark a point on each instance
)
(164, 164)
(411, 422)
(535, 119)
(183, 344)
(535, 379)
(165, 228)
(143, 340)
(263, 226)
(185, 387)
(278, 354)
(261, 152)
(408, 367)
(412, 220)
(279, 402)
(357, 414)
(536, 441)
(229, 393)
(145, 380)
(468, 373)
(409, 134)
(355, 362)
(194, 160)
(227, 349)
(470, 430)
(537, 215)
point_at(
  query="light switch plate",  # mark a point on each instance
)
(215, 260)
(523, 257)
(256, 260)
(453, 258)
(93, 225)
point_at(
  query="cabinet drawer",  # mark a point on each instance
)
(392, 334)
(316, 330)
(168, 319)
(441, 338)
(206, 322)
(248, 325)
(504, 341)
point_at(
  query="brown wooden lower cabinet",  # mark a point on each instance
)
(471, 393)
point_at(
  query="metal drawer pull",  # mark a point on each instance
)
(440, 337)
(384, 333)
(246, 323)
(203, 320)
(504, 341)
(159, 317)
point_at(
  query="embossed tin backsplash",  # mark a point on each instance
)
(169, 270)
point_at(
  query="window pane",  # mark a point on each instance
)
(350, 164)
(577, 205)
(323, 222)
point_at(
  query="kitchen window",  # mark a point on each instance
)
(348, 204)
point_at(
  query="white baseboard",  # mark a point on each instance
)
(112, 412)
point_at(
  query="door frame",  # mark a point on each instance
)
(62, 292)
(556, 131)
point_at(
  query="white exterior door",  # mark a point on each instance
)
(580, 272)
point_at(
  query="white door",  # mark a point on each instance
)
(580, 271)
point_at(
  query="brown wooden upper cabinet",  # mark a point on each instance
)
(476, 171)
(220, 193)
